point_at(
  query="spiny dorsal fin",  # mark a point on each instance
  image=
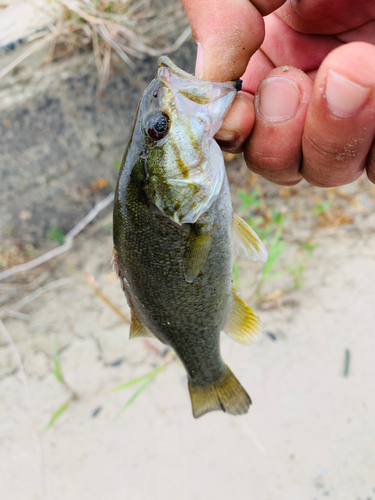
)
(246, 242)
(227, 394)
(242, 324)
(198, 248)
(137, 329)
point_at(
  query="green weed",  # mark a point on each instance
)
(60, 410)
(269, 225)
(296, 271)
(236, 275)
(309, 248)
(321, 208)
(275, 250)
(248, 199)
(131, 400)
(149, 376)
(146, 379)
(57, 366)
(55, 234)
(57, 372)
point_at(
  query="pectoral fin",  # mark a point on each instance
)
(242, 324)
(137, 329)
(198, 248)
(246, 242)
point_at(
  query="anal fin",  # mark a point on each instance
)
(137, 329)
(227, 395)
(242, 324)
(246, 242)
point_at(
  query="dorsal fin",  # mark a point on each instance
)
(246, 242)
(241, 324)
(137, 329)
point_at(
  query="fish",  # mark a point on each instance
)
(175, 234)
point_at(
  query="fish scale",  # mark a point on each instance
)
(173, 223)
(162, 290)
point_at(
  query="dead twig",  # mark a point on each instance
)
(91, 282)
(10, 310)
(25, 55)
(18, 315)
(62, 248)
(112, 30)
(185, 35)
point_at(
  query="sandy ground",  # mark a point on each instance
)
(309, 435)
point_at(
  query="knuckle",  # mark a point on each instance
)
(327, 152)
(277, 169)
(272, 162)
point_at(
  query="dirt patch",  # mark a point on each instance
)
(58, 137)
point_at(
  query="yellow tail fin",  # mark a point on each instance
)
(227, 395)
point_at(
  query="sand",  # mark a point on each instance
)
(309, 433)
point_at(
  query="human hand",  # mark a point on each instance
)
(318, 123)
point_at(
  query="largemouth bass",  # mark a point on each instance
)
(175, 234)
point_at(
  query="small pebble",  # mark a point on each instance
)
(272, 336)
(96, 412)
(118, 362)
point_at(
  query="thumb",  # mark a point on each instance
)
(228, 32)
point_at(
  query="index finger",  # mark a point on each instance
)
(229, 32)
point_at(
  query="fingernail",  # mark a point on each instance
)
(199, 62)
(278, 99)
(226, 136)
(344, 97)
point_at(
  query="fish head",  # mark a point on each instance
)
(180, 114)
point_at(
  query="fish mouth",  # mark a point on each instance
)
(193, 88)
(165, 62)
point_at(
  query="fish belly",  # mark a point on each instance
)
(188, 316)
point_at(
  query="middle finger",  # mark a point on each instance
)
(274, 148)
(340, 123)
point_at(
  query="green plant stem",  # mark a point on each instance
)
(151, 375)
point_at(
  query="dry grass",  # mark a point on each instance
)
(116, 31)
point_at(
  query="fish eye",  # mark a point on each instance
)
(158, 126)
